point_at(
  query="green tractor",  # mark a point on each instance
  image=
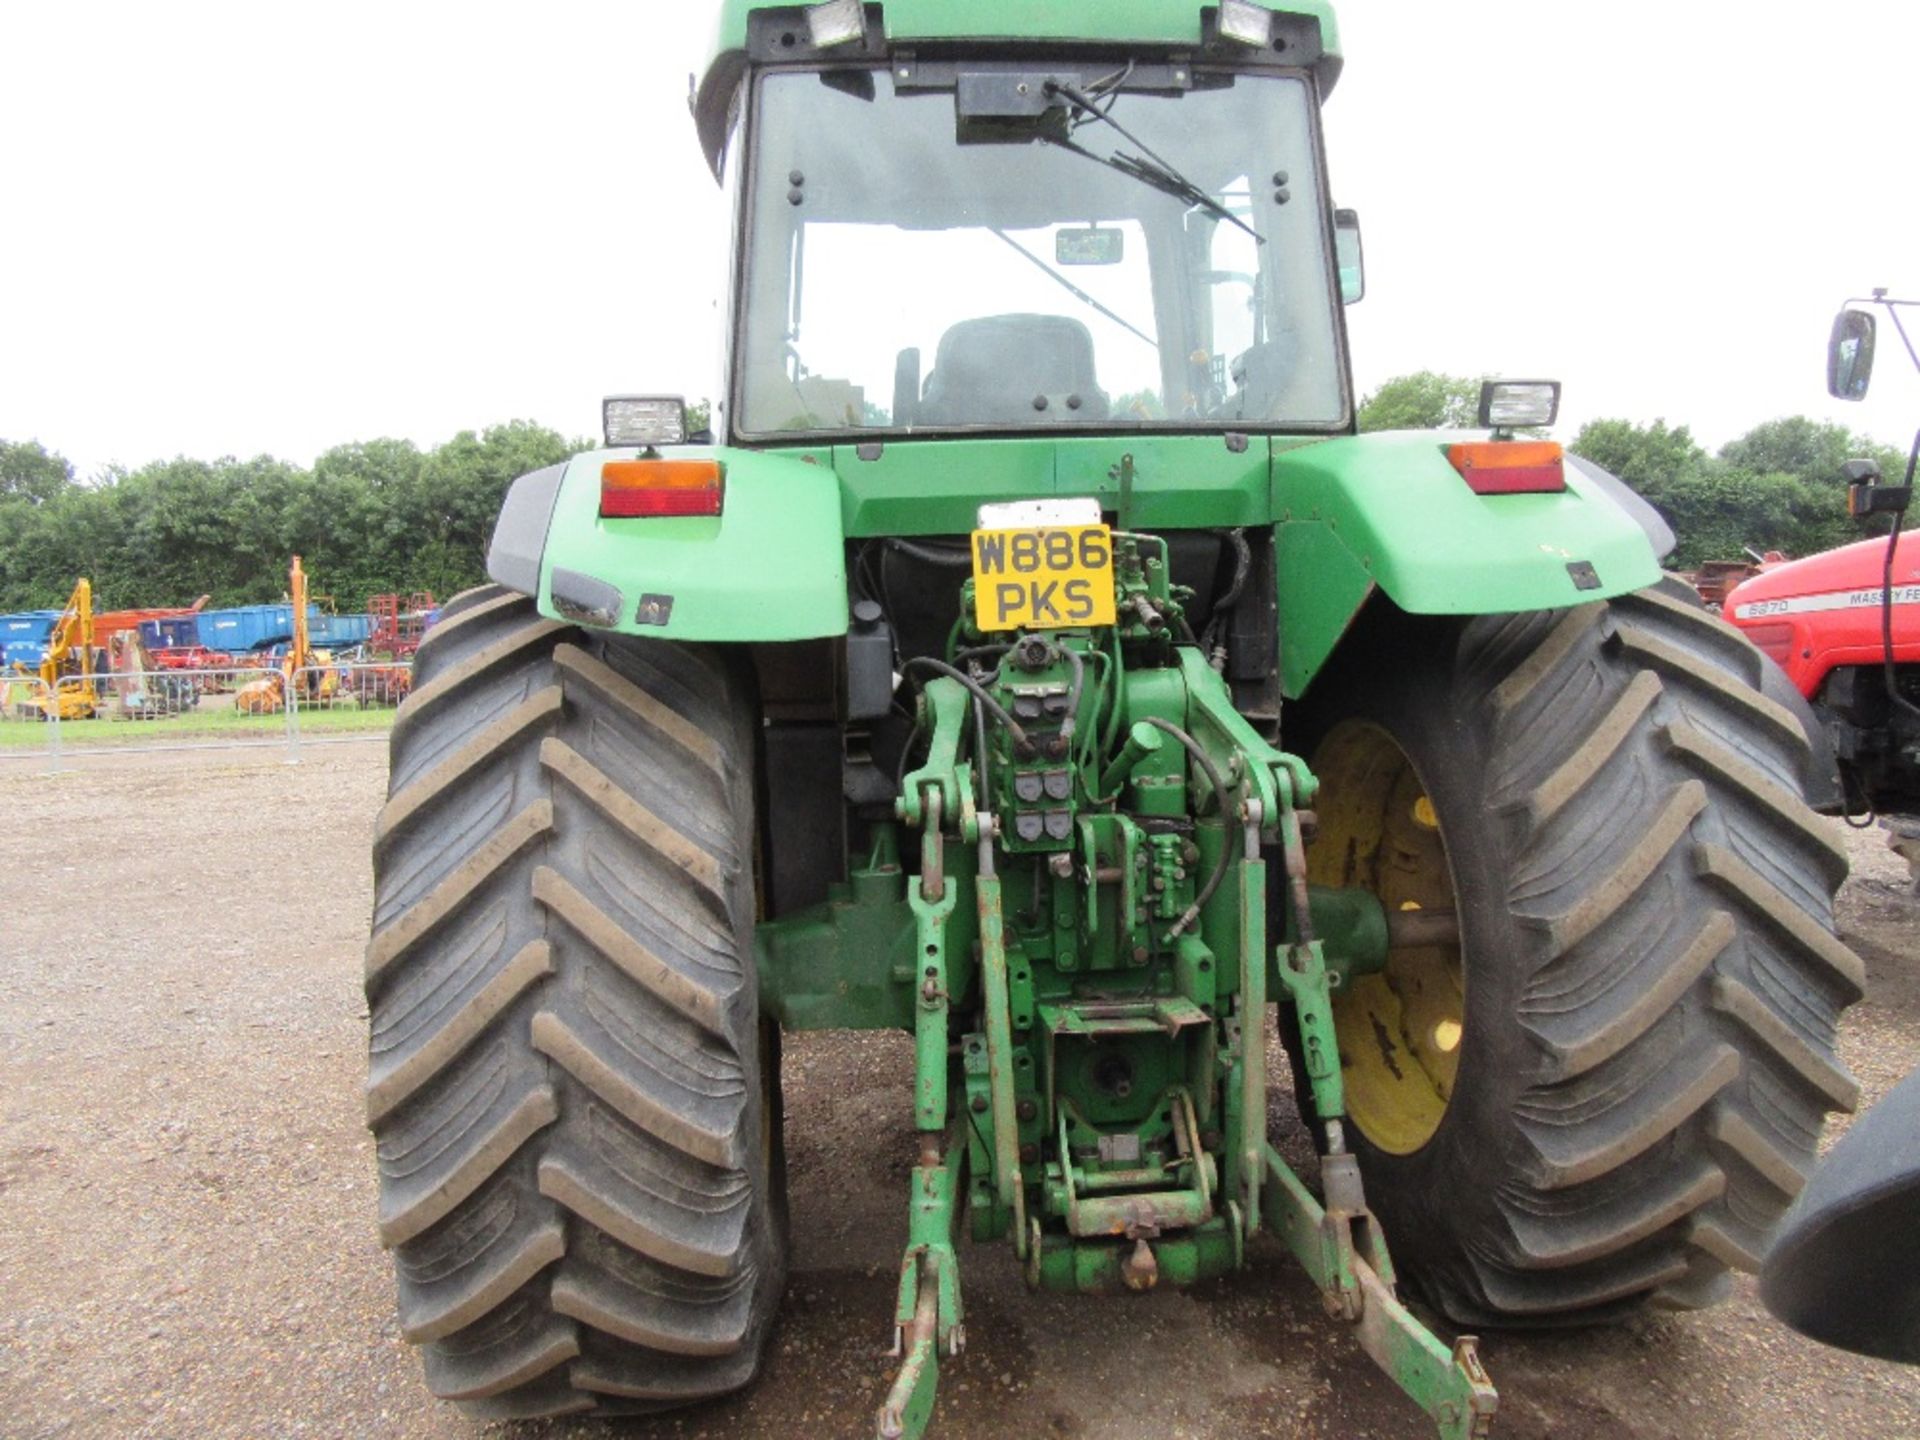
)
(1034, 660)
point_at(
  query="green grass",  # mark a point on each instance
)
(197, 724)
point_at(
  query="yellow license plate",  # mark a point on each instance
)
(1043, 578)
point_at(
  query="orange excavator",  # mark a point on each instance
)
(301, 674)
(66, 687)
(85, 650)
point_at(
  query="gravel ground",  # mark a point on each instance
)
(187, 1196)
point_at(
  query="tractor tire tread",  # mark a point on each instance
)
(1659, 1054)
(1677, 1110)
(565, 1075)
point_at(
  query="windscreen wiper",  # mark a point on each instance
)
(1074, 289)
(1146, 167)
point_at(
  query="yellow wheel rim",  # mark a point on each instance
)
(1400, 1031)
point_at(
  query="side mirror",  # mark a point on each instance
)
(1850, 355)
(1351, 257)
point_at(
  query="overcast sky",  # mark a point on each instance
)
(264, 227)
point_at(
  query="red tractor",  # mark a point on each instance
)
(1845, 624)
(1820, 619)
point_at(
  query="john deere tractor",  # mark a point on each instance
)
(1034, 660)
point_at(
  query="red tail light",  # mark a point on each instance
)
(1510, 467)
(632, 489)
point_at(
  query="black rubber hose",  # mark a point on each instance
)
(1207, 768)
(1242, 567)
(994, 707)
(932, 555)
(1886, 623)
(1886, 596)
(1079, 668)
(982, 784)
(980, 652)
(1847, 812)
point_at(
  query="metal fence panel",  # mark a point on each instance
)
(258, 706)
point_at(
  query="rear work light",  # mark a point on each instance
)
(643, 420)
(1515, 404)
(836, 22)
(631, 489)
(1510, 467)
(1246, 22)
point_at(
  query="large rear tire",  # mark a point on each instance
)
(1610, 1090)
(574, 1101)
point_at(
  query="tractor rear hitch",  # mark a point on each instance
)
(1094, 1197)
(1451, 1385)
(928, 1319)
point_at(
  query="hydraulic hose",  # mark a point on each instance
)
(994, 707)
(1886, 595)
(1242, 567)
(980, 652)
(1207, 768)
(982, 788)
(1079, 668)
(933, 555)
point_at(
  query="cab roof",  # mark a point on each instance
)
(779, 28)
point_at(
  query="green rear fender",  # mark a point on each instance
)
(1388, 511)
(770, 566)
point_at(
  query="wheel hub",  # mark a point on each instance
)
(1401, 1030)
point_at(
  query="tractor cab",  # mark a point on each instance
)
(938, 236)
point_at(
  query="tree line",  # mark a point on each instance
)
(385, 515)
(1777, 487)
(365, 519)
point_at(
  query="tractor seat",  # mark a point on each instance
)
(994, 370)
